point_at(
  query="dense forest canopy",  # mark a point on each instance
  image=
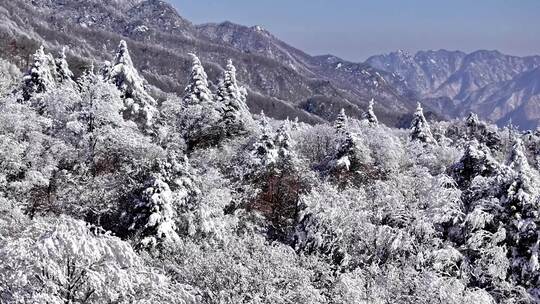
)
(111, 195)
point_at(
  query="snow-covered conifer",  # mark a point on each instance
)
(350, 155)
(341, 122)
(87, 78)
(63, 74)
(283, 143)
(159, 214)
(233, 100)
(518, 160)
(197, 91)
(521, 203)
(345, 150)
(472, 120)
(140, 106)
(41, 74)
(264, 149)
(295, 124)
(419, 129)
(202, 116)
(476, 161)
(370, 114)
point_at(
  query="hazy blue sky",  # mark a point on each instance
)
(356, 29)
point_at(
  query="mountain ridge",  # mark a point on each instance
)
(283, 80)
(455, 83)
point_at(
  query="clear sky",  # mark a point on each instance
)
(356, 29)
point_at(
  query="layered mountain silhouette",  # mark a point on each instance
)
(498, 87)
(281, 80)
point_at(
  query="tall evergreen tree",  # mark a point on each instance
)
(63, 74)
(197, 91)
(341, 122)
(202, 115)
(476, 161)
(284, 143)
(350, 155)
(264, 149)
(419, 129)
(370, 114)
(41, 74)
(158, 214)
(140, 106)
(233, 100)
(88, 77)
(276, 174)
(522, 208)
(472, 121)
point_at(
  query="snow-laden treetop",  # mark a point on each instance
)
(197, 90)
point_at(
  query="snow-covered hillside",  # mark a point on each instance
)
(108, 196)
(284, 81)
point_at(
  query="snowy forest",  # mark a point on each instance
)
(110, 193)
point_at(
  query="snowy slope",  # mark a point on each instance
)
(283, 80)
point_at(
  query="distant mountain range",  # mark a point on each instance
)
(282, 80)
(498, 87)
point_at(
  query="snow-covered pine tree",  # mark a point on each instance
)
(140, 106)
(202, 115)
(283, 141)
(64, 76)
(178, 174)
(295, 124)
(419, 129)
(522, 211)
(370, 114)
(87, 78)
(40, 76)
(476, 161)
(158, 214)
(233, 100)
(168, 205)
(341, 122)
(345, 152)
(347, 148)
(472, 122)
(197, 90)
(348, 161)
(275, 172)
(264, 150)
(481, 234)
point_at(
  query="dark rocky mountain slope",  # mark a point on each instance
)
(282, 80)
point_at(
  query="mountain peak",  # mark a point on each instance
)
(258, 28)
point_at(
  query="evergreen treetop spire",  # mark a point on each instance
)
(123, 73)
(264, 149)
(342, 121)
(140, 106)
(63, 74)
(283, 141)
(370, 114)
(122, 54)
(228, 88)
(41, 74)
(472, 119)
(419, 126)
(232, 98)
(197, 90)
(518, 160)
